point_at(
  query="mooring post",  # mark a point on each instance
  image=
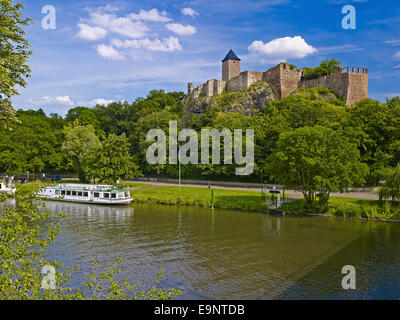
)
(212, 199)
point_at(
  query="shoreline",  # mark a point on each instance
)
(252, 201)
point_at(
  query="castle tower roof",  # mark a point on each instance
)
(231, 56)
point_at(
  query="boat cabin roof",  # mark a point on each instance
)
(88, 187)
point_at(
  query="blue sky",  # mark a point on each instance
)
(104, 51)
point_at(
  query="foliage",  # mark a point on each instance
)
(113, 161)
(351, 208)
(391, 189)
(80, 148)
(325, 68)
(23, 239)
(32, 144)
(14, 54)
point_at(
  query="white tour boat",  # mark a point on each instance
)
(87, 193)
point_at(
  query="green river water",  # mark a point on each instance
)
(231, 254)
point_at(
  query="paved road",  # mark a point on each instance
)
(293, 193)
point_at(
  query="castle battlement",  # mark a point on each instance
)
(350, 82)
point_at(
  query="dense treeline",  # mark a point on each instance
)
(35, 144)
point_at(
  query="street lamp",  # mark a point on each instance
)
(179, 163)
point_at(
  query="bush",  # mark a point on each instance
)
(325, 68)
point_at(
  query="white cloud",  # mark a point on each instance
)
(397, 55)
(181, 29)
(165, 45)
(99, 101)
(126, 27)
(338, 49)
(64, 100)
(108, 52)
(393, 42)
(282, 49)
(189, 12)
(91, 33)
(152, 15)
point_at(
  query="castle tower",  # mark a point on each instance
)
(230, 66)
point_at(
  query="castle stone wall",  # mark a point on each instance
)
(230, 69)
(211, 88)
(273, 76)
(289, 79)
(235, 84)
(351, 83)
(357, 87)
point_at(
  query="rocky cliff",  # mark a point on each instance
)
(255, 97)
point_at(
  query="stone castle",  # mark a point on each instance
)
(350, 83)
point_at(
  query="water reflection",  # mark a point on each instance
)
(231, 255)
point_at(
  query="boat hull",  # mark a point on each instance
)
(119, 202)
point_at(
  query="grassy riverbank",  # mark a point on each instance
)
(252, 201)
(352, 208)
(201, 197)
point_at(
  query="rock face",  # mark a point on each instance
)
(255, 97)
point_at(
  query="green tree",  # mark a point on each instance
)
(14, 54)
(85, 116)
(79, 147)
(114, 161)
(32, 144)
(391, 189)
(319, 160)
(372, 126)
(325, 68)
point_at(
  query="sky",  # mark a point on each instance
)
(104, 51)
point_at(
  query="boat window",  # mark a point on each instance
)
(85, 194)
(63, 192)
(96, 195)
(74, 193)
(106, 195)
(58, 192)
(68, 193)
(80, 194)
(121, 195)
(113, 195)
(127, 194)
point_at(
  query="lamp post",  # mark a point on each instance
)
(212, 195)
(179, 163)
(283, 199)
(261, 183)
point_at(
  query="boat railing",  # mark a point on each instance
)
(84, 187)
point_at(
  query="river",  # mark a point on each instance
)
(231, 254)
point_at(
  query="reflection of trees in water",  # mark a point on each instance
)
(117, 213)
(275, 226)
(82, 219)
